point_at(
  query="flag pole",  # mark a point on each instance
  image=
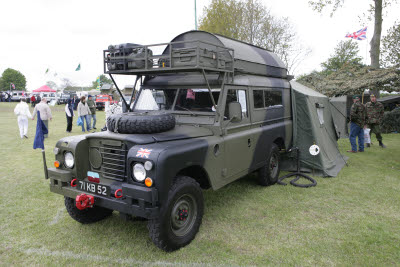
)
(366, 52)
(195, 15)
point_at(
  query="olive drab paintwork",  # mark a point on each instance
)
(210, 147)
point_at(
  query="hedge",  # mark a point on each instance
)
(391, 121)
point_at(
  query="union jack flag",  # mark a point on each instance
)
(358, 35)
(143, 153)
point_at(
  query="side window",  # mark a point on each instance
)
(272, 98)
(267, 98)
(258, 99)
(234, 95)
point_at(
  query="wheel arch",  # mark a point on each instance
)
(198, 173)
(280, 143)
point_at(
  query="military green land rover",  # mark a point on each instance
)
(209, 111)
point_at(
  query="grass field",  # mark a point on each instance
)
(353, 219)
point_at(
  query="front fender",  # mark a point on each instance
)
(168, 159)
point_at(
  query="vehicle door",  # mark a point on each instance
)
(237, 135)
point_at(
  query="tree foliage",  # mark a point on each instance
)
(391, 47)
(52, 85)
(103, 79)
(66, 83)
(250, 21)
(12, 76)
(346, 53)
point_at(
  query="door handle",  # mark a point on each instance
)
(249, 142)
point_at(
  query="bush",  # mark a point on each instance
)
(391, 121)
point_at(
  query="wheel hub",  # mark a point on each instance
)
(183, 214)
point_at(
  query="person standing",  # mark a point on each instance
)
(76, 102)
(92, 107)
(33, 100)
(357, 123)
(22, 111)
(375, 113)
(38, 99)
(69, 113)
(45, 113)
(84, 113)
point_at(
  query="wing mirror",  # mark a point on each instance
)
(235, 112)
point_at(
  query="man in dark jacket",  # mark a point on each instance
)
(375, 113)
(76, 102)
(92, 107)
(357, 118)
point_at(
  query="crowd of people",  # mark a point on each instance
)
(86, 111)
(365, 119)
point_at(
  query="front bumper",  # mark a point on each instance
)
(136, 201)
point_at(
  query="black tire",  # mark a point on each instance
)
(180, 218)
(89, 215)
(142, 123)
(269, 173)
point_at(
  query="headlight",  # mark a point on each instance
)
(69, 160)
(139, 172)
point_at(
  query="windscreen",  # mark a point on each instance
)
(184, 99)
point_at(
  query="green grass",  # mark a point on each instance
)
(353, 219)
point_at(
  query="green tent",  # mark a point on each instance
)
(340, 108)
(314, 133)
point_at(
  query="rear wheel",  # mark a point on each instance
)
(180, 218)
(89, 215)
(269, 174)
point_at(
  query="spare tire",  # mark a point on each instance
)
(142, 122)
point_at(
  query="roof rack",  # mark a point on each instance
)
(181, 56)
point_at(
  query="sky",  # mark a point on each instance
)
(36, 35)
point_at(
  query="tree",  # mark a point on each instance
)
(103, 80)
(12, 76)
(346, 53)
(66, 83)
(391, 47)
(52, 85)
(376, 9)
(223, 17)
(250, 21)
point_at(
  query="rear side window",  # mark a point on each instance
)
(267, 98)
(272, 98)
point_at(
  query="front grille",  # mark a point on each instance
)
(114, 162)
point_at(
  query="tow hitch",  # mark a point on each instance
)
(84, 201)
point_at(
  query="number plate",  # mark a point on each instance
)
(98, 189)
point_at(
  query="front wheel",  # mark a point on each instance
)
(269, 173)
(180, 218)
